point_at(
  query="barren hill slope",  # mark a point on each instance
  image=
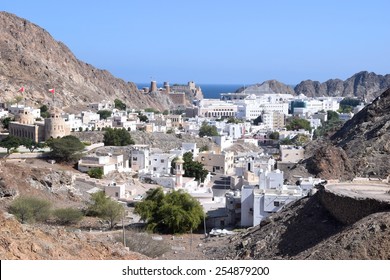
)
(30, 57)
(306, 230)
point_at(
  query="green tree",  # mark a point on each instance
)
(44, 112)
(104, 114)
(117, 137)
(31, 144)
(67, 148)
(142, 118)
(233, 120)
(96, 173)
(208, 130)
(332, 116)
(6, 121)
(66, 216)
(175, 212)
(297, 124)
(192, 168)
(10, 142)
(105, 208)
(120, 105)
(30, 209)
(274, 135)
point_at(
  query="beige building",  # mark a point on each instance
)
(217, 163)
(176, 120)
(25, 126)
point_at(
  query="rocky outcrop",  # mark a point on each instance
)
(270, 86)
(363, 85)
(306, 230)
(360, 148)
(30, 57)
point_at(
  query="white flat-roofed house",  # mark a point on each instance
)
(160, 163)
(103, 105)
(108, 163)
(115, 190)
(259, 201)
(140, 158)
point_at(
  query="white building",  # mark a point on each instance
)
(115, 190)
(160, 163)
(140, 158)
(258, 202)
(108, 163)
(103, 105)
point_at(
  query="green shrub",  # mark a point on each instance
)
(30, 209)
(95, 173)
(66, 216)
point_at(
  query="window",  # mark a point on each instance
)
(162, 161)
(134, 158)
(277, 203)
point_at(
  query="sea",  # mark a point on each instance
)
(211, 91)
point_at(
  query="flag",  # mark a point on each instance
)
(21, 90)
(52, 90)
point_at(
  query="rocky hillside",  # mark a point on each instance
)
(306, 230)
(30, 57)
(270, 86)
(364, 84)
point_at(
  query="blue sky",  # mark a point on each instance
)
(215, 41)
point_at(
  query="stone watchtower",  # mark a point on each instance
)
(179, 171)
(55, 125)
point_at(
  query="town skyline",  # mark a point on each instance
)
(218, 42)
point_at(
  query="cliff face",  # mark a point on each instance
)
(362, 85)
(30, 57)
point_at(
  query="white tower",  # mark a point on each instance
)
(179, 172)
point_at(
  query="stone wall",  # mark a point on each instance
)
(347, 209)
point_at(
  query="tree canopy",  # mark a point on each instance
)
(6, 121)
(104, 207)
(117, 137)
(119, 105)
(175, 212)
(208, 130)
(10, 142)
(104, 114)
(297, 124)
(192, 168)
(67, 148)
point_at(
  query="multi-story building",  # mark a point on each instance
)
(217, 163)
(107, 162)
(160, 163)
(140, 158)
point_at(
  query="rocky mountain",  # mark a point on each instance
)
(360, 148)
(30, 57)
(270, 86)
(364, 84)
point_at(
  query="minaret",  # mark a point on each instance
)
(179, 171)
